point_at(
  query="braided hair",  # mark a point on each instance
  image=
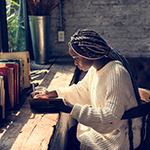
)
(89, 44)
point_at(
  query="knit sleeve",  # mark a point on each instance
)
(77, 93)
(119, 96)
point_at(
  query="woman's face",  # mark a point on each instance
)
(82, 63)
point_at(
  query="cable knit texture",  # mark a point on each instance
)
(110, 92)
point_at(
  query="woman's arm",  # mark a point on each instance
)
(52, 94)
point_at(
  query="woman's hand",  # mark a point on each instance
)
(68, 104)
(39, 95)
(49, 94)
(68, 107)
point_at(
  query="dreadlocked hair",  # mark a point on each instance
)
(90, 42)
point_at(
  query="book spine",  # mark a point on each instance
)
(17, 82)
(11, 87)
(4, 72)
(3, 93)
(21, 75)
(26, 78)
(1, 105)
(8, 101)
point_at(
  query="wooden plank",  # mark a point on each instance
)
(36, 133)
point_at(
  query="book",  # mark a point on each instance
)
(10, 71)
(4, 72)
(2, 97)
(46, 105)
(20, 62)
(15, 65)
(20, 55)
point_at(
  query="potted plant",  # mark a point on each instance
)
(39, 22)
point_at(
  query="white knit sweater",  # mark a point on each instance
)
(109, 91)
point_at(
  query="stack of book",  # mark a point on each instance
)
(14, 78)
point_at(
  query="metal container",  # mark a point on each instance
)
(39, 27)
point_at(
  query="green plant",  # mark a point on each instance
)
(15, 26)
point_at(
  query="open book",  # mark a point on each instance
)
(49, 105)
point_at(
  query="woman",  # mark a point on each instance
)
(100, 99)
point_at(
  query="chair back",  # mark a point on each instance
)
(144, 112)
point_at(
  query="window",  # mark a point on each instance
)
(15, 25)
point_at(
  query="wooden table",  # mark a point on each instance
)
(23, 130)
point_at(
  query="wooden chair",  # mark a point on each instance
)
(141, 111)
(144, 94)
